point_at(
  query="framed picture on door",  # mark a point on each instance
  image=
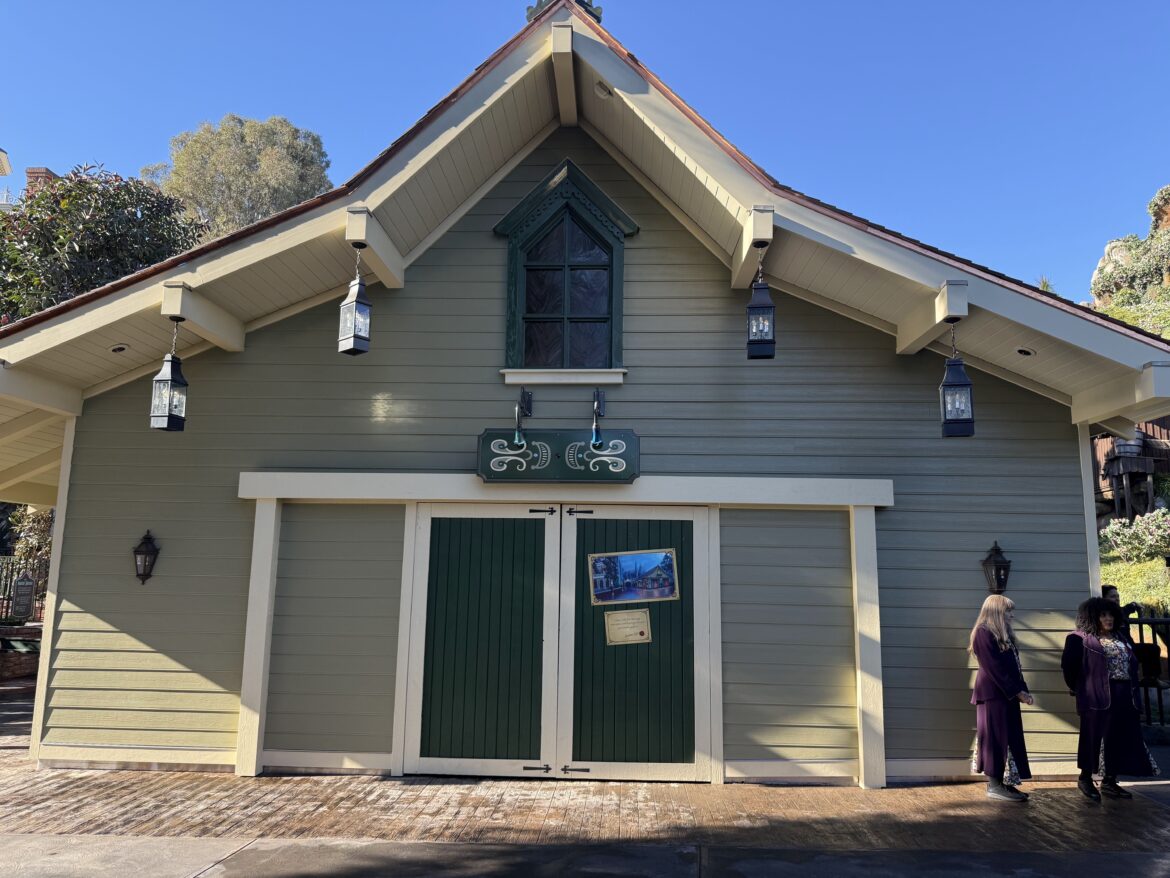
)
(633, 577)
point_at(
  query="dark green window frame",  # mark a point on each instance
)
(564, 194)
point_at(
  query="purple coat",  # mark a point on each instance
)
(999, 677)
(1086, 671)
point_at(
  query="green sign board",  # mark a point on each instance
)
(558, 456)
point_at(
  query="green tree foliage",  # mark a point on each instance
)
(1132, 280)
(34, 531)
(240, 171)
(81, 231)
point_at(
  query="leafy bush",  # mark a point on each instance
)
(1146, 582)
(1146, 537)
(81, 231)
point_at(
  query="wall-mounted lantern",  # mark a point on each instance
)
(954, 395)
(168, 399)
(145, 554)
(996, 568)
(761, 316)
(353, 336)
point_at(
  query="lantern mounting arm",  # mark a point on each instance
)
(929, 320)
(757, 236)
(203, 317)
(362, 230)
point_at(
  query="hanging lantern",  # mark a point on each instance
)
(353, 337)
(954, 394)
(145, 554)
(761, 319)
(168, 399)
(996, 568)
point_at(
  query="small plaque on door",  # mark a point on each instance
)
(624, 627)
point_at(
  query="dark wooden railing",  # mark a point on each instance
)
(11, 569)
(1151, 635)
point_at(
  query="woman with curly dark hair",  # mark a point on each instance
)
(1102, 672)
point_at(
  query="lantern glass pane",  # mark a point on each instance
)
(957, 403)
(760, 325)
(347, 320)
(361, 321)
(160, 399)
(179, 401)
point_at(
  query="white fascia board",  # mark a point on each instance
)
(74, 324)
(1137, 397)
(564, 80)
(378, 251)
(930, 319)
(414, 156)
(30, 494)
(203, 317)
(39, 392)
(367, 487)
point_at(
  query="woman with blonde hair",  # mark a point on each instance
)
(999, 690)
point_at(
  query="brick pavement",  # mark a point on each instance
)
(462, 810)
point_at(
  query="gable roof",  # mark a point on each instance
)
(563, 67)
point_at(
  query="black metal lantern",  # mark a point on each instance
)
(353, 336)
(761, 323)
(168, 398)
(996, 568)
(145, 554)
(761, 315)
(954, 396)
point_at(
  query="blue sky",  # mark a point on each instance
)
(1022, 134)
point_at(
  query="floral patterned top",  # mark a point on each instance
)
(1117, 651)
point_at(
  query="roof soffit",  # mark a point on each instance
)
(677, 151)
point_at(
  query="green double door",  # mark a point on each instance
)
(517, 675)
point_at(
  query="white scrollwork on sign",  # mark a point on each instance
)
(534, 455)
(580, 455)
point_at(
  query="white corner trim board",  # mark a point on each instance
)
(367, 487)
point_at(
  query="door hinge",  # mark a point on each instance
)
(551, 510)
(545, 768)
(573, 510)
(567, 768)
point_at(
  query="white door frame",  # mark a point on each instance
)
(414, 763)
(700, 769)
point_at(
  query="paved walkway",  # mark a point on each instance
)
(529, 826)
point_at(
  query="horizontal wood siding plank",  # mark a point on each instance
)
(332, 673)
(787, 634)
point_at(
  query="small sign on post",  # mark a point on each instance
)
(24, 592)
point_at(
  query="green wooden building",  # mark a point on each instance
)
(382, 563)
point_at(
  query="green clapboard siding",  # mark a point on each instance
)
(635, 703)
(335, 628)
(482, 673)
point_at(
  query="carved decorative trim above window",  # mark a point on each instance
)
(566, 248)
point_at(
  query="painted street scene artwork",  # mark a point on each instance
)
(625, 577)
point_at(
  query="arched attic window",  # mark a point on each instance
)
(566, 247)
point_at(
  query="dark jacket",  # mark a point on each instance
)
(1086, 671)
(999, 677)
